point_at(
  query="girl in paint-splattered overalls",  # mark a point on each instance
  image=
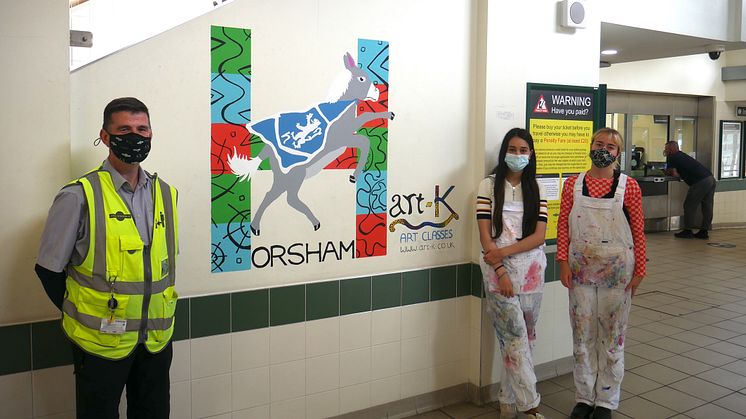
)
(512, 220)
(601, 253)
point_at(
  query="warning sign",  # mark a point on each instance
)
(541, 105)
(561, 122)
(552, 104)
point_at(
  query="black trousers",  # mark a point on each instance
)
(701, 193)
(99, 384)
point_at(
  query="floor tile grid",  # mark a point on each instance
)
(686, 346)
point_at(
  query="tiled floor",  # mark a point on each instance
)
(686, 344)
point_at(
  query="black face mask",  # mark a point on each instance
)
(129, 148)
(601, 158)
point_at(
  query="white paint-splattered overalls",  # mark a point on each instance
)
(601, 258)
(514, 319)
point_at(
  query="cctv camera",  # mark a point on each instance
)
(714, 51)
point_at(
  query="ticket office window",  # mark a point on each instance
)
(684, 130)
(649, 135)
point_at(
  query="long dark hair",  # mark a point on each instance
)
(529, 186)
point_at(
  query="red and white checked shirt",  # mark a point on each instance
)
(596, 189)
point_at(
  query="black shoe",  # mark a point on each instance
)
(601, 413)
(581, 411)
(684, 234)
(702, 234)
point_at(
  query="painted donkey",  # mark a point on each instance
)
(296, 151)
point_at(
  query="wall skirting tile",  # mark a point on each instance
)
(391, 345)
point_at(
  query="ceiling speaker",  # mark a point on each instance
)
(573, 13)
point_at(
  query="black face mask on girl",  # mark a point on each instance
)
(129, 148)
(601, 158)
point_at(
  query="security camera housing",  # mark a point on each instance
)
(714, 51)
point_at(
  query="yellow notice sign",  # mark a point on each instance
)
(561, 145)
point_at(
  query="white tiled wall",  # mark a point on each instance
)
(15, 395)
(730, 207)
(318, 368)
(327, 367)
(47, 393)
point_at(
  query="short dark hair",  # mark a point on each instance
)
(124, 104)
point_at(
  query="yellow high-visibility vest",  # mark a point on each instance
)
(120, 267)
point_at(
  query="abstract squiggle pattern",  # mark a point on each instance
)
(230, 110)
(371, 187)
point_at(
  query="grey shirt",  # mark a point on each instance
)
(66, 233)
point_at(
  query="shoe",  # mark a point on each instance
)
(702, 234)
(601, 413)
(536, 415)
(508, 411)
(684, 234)
(581, 411)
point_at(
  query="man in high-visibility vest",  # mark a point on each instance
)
(107, 260)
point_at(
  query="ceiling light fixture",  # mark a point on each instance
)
(609, 51)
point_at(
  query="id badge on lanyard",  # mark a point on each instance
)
(111, 325)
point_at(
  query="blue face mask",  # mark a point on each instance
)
(516, 162)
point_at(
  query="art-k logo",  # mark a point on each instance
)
(403, 206)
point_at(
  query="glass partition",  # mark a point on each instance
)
(649, 136)
(730, 149)
(684, 131)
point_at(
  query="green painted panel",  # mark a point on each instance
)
(230, 50)
(229, 196)
(377, 156)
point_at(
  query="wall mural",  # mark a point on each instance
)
(350, 128)
(230, 110)
(371, 187)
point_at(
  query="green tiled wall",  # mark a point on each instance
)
(249, 310)
(354, 295)
(287, 305)
(44, 345)
(322, 300)
(415, 287)
(209, 315)
(49, 345)
(443, 282)
(728, 185)
(15, 352)
(386, 291)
